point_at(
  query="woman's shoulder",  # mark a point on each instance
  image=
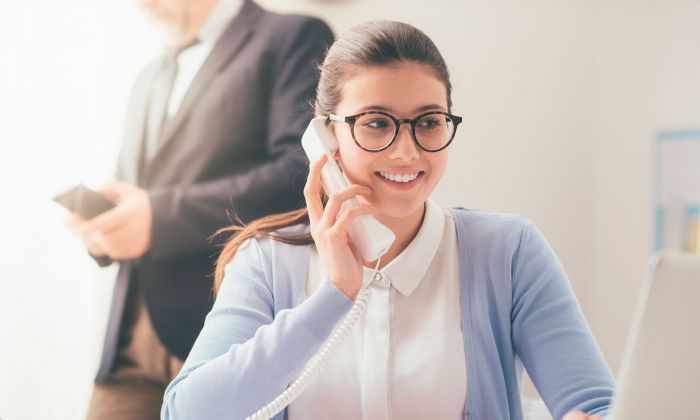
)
(293, 230)
(286, 242)
(490, 235)
(275, 255)
(487, 222)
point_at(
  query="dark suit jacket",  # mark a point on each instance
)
(234, 145)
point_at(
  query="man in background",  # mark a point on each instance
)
(213, 125)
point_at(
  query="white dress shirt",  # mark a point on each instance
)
(405, 357)
(190, 60)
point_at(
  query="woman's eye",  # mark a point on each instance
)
(377, 124)
(430, 123)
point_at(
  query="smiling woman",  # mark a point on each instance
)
(459, 298)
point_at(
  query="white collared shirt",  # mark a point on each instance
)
(190, 60)
(408, 343)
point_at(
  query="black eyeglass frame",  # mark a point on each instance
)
(351, 119)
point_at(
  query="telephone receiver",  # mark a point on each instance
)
(370, 237)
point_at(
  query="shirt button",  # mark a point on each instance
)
(381, 281)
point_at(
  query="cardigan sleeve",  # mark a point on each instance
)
(245, 355)
(551, 336)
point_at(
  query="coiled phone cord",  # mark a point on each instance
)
(313, 368)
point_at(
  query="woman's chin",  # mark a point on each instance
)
(394, 211)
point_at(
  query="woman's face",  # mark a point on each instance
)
(404, 90)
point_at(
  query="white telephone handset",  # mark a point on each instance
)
(370, 237)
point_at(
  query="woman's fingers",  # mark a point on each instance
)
(318, 216)
(329, 230)
(340, 228)
(336, 200)
(312, 191)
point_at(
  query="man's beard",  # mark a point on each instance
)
(170, 34)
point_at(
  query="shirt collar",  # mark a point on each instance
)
(406, 271)
(218, 19)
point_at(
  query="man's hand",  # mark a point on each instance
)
(577, 415)
(75, 222)
(123, 232)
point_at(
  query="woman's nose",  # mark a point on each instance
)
(404, 147)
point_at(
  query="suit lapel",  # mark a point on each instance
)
(235, 36)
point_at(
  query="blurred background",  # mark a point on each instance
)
(563, 103)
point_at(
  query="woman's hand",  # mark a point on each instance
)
(578, 415)
(341, 260)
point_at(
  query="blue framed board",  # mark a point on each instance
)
(677, 190)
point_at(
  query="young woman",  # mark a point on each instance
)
(463, 300)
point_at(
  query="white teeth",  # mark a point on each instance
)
(399, 178)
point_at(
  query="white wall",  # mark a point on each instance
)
(648, 79)
(561, 101)
(65, 71)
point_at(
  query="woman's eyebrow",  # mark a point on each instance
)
(428, 107)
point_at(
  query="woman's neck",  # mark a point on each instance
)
(405, 228)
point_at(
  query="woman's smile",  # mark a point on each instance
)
(400, 180)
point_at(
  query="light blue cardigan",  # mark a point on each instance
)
(518, 310)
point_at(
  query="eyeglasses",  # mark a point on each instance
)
(375, 131)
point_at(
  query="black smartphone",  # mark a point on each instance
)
(84, 201)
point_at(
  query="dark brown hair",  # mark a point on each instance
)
(369, 44)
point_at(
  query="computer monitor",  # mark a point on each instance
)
(660, 374)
